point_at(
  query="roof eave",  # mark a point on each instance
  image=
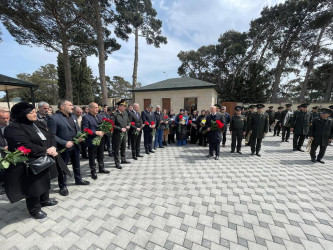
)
(170, 89)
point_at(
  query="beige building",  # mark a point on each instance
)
(177, 93)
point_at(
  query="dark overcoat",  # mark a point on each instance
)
(259, 124)
(216, 135)
(321, 130)
(300, 122)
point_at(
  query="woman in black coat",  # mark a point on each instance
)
(20, 182)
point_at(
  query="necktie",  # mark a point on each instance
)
(137, 114)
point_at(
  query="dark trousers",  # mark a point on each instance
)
(214, 146)
(277, 128)
(271, 121)
(224, 136)
(202, 139)
(74, 156)
(298, 141)
(118, 144)
(285, 133)
(96, 152)
(148, 140)
(33, 203)
(129, 139)
(158, 138)
(194, 137)
(255, 144)
(108, 142)
(84, 149)
(136, 142)
(171, 138)
(314, 147)
(236, 140)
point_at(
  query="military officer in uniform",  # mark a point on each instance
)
(148, 117)
(258, 129)
(270, 113)
(121, 125)
(285, 123)
(214, 137)
(277, 120)
(314, 114)
(331, 108)
(300, 121)
(321, 133)
(248, 119)
(237, 129)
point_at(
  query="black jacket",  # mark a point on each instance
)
(321, 131)
(238, 124)
(147, 117)
(121, 120)
(136, 119)
(300, 122)
(259, 124)
(216, 135)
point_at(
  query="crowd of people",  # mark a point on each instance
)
(55, 135)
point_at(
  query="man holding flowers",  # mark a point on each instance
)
(64, 125)
(148, 119)
(135, 130)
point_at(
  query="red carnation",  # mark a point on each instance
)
(152, 123)
(24, 150)
(190, 122)
(180, 117)
(147, 123)
(133, 123)
(88, 131)
(104, 119)
(166, 117)
(219, 124)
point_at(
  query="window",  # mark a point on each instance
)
(190, 104)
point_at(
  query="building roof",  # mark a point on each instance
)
(8, 83)
(176, 84)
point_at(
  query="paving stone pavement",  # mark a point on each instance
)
(177, 199)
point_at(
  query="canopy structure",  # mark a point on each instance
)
(9, 83)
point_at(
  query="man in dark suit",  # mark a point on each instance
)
(63, 124)
(321, 134)
(4, 122)
(91, 121)
(135, 130)
(258, 128)
(147, 117)
(300, 121)
(159, 131)
(214, 136)
(285, 122)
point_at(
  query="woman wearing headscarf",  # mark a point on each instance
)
(181, 128)
(20, 181)
(172, 128)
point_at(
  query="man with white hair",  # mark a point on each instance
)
(43, 112)
(4, 122)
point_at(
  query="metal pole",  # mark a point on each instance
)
(32, 97)
(7, 98)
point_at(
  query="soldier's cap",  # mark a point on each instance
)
(238, 108)
(260, 106)
(288, 105)
(316, 107)
(326, 111)
(304, 105)
(331, 107)
(218, 106)
(122, 102)
(270, 107)
(109, 109)
(252, 106)
(280, 108)
(182, 110)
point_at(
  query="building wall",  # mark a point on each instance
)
(206, 97)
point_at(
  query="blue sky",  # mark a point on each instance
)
(188, 24)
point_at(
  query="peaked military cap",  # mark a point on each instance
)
(280, 107)
(122, 102)
(288, 105)
(270, 107)
(218, 106)
(260, 106)
(326, 111)
(331, 107)
(252, 106)
(316, 107)
(304, 105)
(238, 108)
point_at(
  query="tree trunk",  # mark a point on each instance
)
(329, 88)
(310, 66)
(136, 60)
(67, 69)
(101, 52)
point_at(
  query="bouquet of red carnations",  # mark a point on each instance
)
(136, 132)
(19, 155)
(80, 137)
(107, 127)
(217, 125)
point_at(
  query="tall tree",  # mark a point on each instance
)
(141, 16)
(119, 87)
(48, 23)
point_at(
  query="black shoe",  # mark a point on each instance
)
(252, 153)
(321, 161)
(93, 175)
(110, 154)
(154, 148)
(313, 159)
(232, 151)
(37, 214)
(104, 171)
(85, 157)
(294, 149)
(239, 152)
(286, 141)
(125, 162)
(217, 158)
(161, 147)
(82, 182)
(49, 203)
(135, 158)
(282, 140)
(147, 152)
(223, 145)
(63, 191)
(274, 134)
(208, 156)
(118, 167)
(258, 154)
(299, 149)
(151, 151)
(139, 155)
